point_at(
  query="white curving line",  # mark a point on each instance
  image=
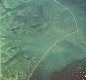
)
(71, 14)
(77, 30)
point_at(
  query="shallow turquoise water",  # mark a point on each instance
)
(40, 37)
